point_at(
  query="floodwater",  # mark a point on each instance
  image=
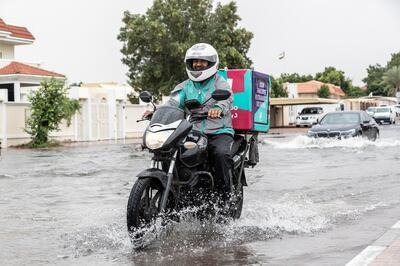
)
(309, 202)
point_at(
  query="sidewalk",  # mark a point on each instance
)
(287, 130)
(383, 252)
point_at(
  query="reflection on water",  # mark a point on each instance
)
(67, 206)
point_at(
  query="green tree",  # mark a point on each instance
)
(394, 61)
(277, 88)
(295, 77)
(154, 44)
(337, 77)
(49, 106)
(324, 92)
(356, 91)
(374, 79)
(133, 99)
(392, 79)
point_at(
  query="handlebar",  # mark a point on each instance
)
(141, 120)
(196, 116)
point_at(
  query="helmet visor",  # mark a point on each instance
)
(189, 64)
(209, 58)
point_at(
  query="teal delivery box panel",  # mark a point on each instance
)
(250, 110)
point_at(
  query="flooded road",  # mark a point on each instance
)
(309, 202)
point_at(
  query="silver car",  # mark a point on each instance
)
(371, 110)
(385, 115)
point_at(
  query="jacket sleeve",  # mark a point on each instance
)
(226, 105)
(177, 97)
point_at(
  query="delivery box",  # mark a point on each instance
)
(250, 109)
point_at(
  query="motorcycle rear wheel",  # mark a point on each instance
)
(143, 204)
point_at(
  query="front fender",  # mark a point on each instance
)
(154, 173)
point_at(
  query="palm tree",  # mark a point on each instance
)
(392, 79)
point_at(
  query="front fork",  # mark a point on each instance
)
(170, 175)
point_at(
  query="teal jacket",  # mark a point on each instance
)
(202, 91)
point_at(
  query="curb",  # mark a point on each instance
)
(370, 253)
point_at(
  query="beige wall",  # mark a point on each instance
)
(18, 113)
(16, 119)
(1, 120)
(134, 112)
(313, 95)
(308, 95)
(7, 51)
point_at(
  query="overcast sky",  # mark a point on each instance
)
(78, 38)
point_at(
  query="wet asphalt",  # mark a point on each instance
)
(309, 202)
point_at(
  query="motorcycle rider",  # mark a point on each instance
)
(201, 67)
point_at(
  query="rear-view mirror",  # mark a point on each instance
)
(145, 96)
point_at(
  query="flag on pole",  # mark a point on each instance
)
(281, 55)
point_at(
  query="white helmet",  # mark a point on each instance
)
(202, 51)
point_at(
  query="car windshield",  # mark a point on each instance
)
(310, 111)
(371, 109)
(382, 110)
(166, 115)
(340, 118)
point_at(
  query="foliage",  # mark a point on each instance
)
(333, 76)
(49, 105)
(391, 78)
(277, 88)
(133, 99)
(375, 77)
(154, 44)
(295, 78)
(324, 92)
(356, 91)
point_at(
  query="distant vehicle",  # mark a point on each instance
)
(345, 125)
(397, 109)
(385, 115)
(371, 110)
(309, 116)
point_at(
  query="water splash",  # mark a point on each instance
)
(304, 142)
(260, 221)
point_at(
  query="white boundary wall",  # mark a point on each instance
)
(116, 121)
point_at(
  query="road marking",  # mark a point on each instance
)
(396, 225)
(366, 256)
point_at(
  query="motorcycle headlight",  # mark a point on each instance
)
(155, 140)
(348, 132)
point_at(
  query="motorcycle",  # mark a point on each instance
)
(180, 174)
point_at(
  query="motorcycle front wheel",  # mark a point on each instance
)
(236, 209)
(144, 203)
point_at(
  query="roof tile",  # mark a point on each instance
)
(313, 86)
(16, 68)
(16, 31)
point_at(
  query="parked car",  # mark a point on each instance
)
(385, 115)
(371, 110)
(345, 125)
(309, 116)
